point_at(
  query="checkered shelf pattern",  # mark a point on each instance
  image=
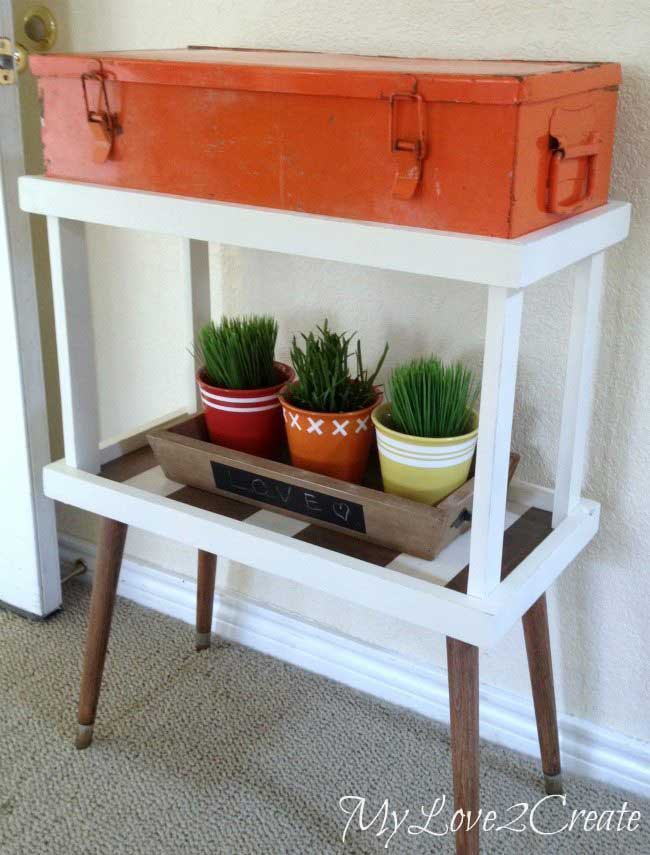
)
(525, 527)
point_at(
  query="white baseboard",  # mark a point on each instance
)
(506, 718)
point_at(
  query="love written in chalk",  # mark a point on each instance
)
(300, 500)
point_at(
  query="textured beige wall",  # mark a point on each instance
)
(599, 609)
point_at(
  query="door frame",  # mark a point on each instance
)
(30, 574)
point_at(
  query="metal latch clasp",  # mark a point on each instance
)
(587, 152)
(409, 152)
(101, 121)
(573, 163)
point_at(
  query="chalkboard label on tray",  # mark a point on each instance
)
(300, 500)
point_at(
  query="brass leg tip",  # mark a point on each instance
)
(84, 736)
(553, 785)
(202, 640)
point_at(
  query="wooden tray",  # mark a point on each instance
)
(364, 511)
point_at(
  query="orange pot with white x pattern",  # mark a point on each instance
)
(334, 444)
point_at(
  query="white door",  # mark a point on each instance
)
(29, 562)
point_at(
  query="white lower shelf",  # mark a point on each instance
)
(135, 491)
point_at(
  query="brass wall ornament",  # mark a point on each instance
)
(40, 28)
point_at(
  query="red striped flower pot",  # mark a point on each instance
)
(247, 420)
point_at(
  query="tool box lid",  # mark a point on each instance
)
(341, 75)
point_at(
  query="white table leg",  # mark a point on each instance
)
(195, 263)
(578, 385)
(75, 343)
(495, 429)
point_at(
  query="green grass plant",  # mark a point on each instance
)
(325, 383)
(432, 399)
(238, 353)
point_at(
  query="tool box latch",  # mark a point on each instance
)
(409, 153)
(101, 121)
(572, 169)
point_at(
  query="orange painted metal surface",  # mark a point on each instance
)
(495, 148)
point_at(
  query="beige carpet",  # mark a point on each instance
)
(230, 751)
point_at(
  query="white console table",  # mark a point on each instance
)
(481, 584)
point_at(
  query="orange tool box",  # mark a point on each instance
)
(485, 147)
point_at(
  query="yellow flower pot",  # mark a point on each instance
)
(419, 468)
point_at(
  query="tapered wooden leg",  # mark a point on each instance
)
(540, 665)
(206, 574)
(109, 559)
(462, 666)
